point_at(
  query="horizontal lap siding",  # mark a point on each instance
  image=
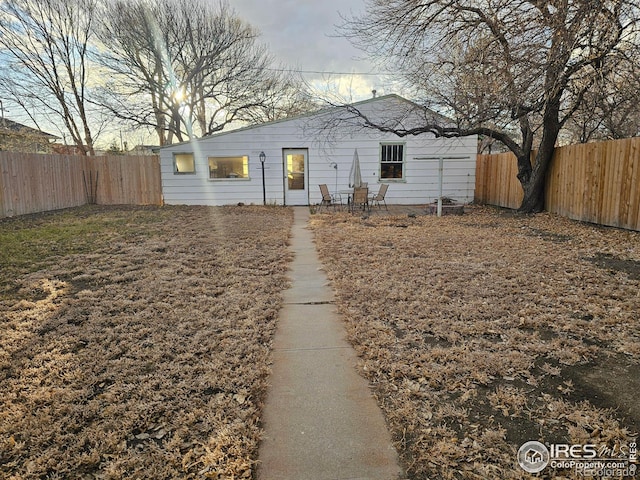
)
(199, 189)
(420, 185)
(458, 178)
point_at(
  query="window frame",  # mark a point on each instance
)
(246, 158)
(402, 163)
(175, 163)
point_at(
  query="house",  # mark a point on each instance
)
(144, 150)
(296, 155)
(16, 137)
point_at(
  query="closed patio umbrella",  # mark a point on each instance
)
(355, 176)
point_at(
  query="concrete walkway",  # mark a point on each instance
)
(321, 421)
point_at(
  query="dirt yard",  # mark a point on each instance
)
(135, 342)
(481, 332)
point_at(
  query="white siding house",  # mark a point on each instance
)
(303, 152)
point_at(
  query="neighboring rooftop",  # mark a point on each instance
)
(9, 126)
(17, 137)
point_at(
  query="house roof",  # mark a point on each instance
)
(320, 111)
(14, 128)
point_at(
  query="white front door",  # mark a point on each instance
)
(296, 182)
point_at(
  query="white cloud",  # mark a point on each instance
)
(302, 34)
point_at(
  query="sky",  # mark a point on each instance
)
(302, 34)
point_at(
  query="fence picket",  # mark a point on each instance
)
(594, 182)
(31, 183)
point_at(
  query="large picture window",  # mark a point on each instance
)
(392, 161)
(229, 167)
(184, 163)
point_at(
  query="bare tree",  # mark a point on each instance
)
(609, 111)
(45, 48)
(515, 71)
(188, 68)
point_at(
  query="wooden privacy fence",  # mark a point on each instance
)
(496, 180)
(592, 182)
(31, 183)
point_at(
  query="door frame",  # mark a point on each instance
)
(299, 195)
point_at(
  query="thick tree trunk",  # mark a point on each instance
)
(532, 183)
(533, 200)
(533, 178)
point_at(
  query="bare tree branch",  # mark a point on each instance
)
(195, 65)
(516, 71)
(46, 42)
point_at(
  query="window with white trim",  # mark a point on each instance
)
(184, 163)
(229, 167)
(391, 161)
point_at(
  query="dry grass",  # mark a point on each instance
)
(138, 346)
(481, 332)
(140, 349)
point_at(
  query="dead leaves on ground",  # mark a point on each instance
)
(147, 358)
(473, 331)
